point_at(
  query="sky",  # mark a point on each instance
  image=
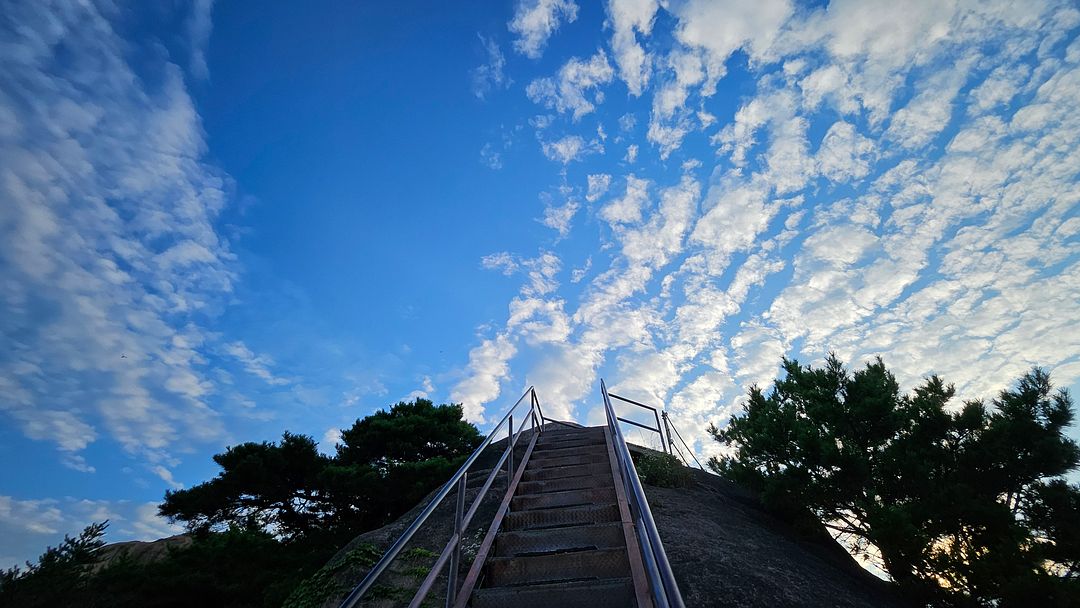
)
(222, 220)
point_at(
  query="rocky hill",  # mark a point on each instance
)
(725, 549)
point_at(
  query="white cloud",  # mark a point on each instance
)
(844, 154)
(569, 90)
(427, 387)
(78, 463)
(490, 157)
(569, 148)
(166, 476)
(579, 273)
(501, 261)
(598, 186)
(110, 255)
(536, 20)
(559, 218)
(488, 367)
(628, 17)
(490, 76)
(256, 365)
(330, 439)
(627, 210)
(721, 27)
(929, 112)
(199, 28)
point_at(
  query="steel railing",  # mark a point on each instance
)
(670, 426)
(656, 416)
(462, 518)
(665, 592)
(667, 439)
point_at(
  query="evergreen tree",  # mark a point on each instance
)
(965, 506)
(384, 464)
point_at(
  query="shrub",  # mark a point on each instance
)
(663, 470)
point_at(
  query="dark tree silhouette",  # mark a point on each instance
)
(966, 505)
(385, 463)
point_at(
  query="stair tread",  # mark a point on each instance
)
(569, 459)
(562, 517)
(566, 498)
(567, 471)
(579, 482)
(570, 448)
(613, 592)
(517, 543)
(551, 567)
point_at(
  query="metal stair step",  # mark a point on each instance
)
(587, 432)
(565, 483)
(608, 593)
(561, 461)
(590, 448)
(564, 498)
(576, 470)
(561, 517)
(595, 564)
(574, 538)
(574, 442)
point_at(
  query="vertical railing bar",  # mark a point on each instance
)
(667, 429)
(692, 455)
(391, 554)
(539, 410)
(658, 431)
(455, 555)
(510, 447)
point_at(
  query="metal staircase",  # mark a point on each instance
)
(573, 528)
(568, 538)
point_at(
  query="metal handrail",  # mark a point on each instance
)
(665, 590)
(667, 439)
(664, 443)
(452, 552)
(671, 427)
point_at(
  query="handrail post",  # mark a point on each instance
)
(667, 429)
(510, 448)
(455, 555)
(658, 431)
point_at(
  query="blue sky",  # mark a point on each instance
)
(221, 220)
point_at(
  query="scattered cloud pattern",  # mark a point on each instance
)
(726, 183)
(898, 180)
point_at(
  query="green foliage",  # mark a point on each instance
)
(663, 470)
(236, 568)
(325, 583)
(268, 521)
(966, 506)
(262, 486)
(314, 591)
(384, 465)
(58, 573)
(409, 432)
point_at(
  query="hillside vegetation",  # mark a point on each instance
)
(963, 504)
(271, 518)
